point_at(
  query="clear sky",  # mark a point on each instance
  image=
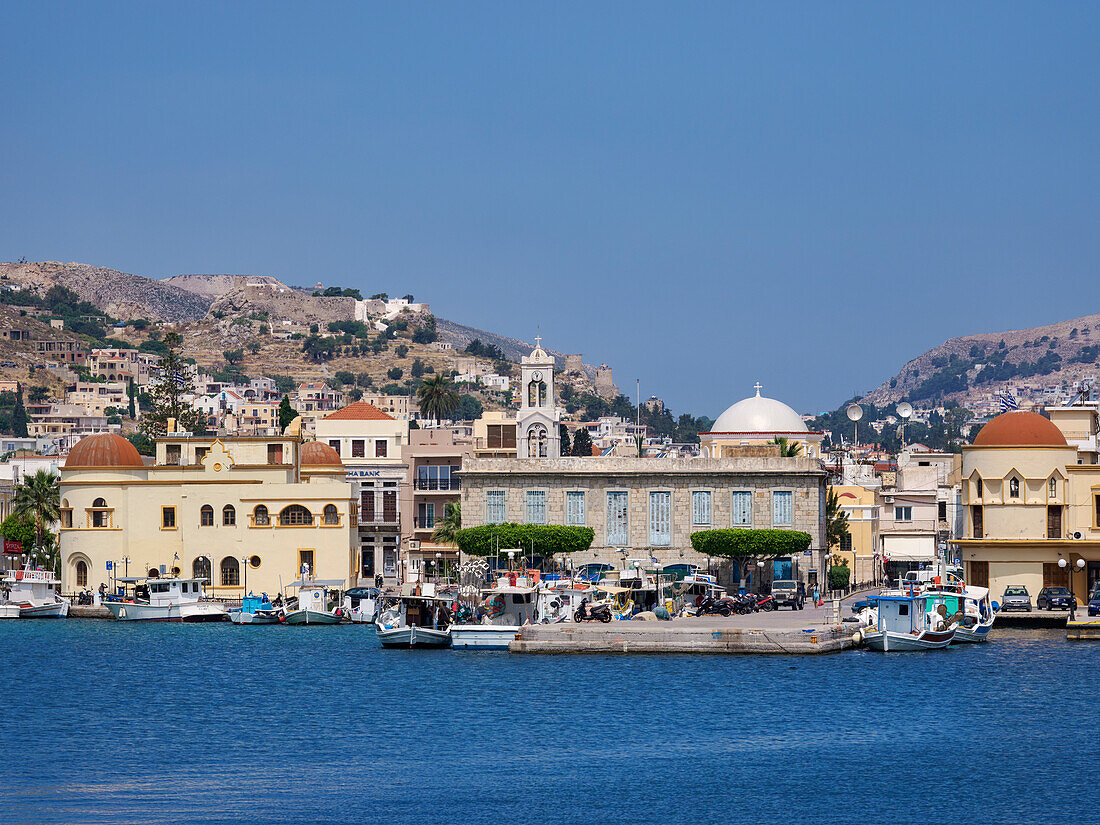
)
(702, 195)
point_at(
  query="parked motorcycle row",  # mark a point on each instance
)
(729, 605)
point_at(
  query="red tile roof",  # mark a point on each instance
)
(359, 411)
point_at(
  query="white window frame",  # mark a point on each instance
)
(618, 530)
(782, 514)
(903, 512)
(701, 507)
(535, 507)
(660, 518)
(491, 505)
(744, 496)
(575, 514)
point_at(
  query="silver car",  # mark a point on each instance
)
(1016, 598)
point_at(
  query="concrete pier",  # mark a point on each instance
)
(759, 633)
(88, 611)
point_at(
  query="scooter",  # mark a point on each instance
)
(711, 605)
(595, 612)
(765, 603)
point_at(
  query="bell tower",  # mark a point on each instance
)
(538, 420)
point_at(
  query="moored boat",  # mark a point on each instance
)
(414, 621)
(313, 604)
(255, 610)
(170, 600)
(35, 593)
(903, 623)
(970, 606)
(504, 609)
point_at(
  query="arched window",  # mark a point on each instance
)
(536, 442)
(100, 515)
(206, 516)
(1014, 488)
(200, 568)
(81, 574)
(154, 573)
(295, 514)
(260, 516)
(231, 572)
(1053, 488)
(331, 515)
(229, 515)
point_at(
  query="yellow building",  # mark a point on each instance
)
(1032, 511)
(859, 547)
(252, 509)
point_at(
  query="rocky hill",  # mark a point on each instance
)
(460, 335)
(963, 370)
(214, 286)
(119, 294)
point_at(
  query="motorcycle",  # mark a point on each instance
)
(765, 603)
(711, 605)
(84, 597)
(594, 612)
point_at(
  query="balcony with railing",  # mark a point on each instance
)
(437, 485)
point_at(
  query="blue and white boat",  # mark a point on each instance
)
(969, 605)
(255, 610)
(504, 609)
(903, 622)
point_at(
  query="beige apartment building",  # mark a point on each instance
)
(95, 397)
(244, 512)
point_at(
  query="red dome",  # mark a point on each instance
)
(318, 454)
(1020, 429)
(103, 450)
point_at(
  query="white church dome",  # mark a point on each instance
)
(759, 415)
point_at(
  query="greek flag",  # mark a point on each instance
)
(178, 379)
(1008, 401)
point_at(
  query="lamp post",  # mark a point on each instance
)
(438, 561)
(244, 579)
(1065, 565)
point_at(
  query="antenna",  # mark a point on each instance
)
(854, 413)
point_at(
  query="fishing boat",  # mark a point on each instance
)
(418, 619)
(313, 604)
(969, 606)
(170, 600)
(511, 603)
(35, 594)
(361, 604)
(904, 623)
(255, 610)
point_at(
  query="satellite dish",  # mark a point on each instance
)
(854, 412)
(905, 409)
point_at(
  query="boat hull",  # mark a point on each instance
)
(240, 617)
(973, 635)
(890, 642)
(9, 611)
(311, 617)
(51, 610)
(190, 612)
(482, 636)
(410, 636)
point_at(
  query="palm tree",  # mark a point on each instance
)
(437, 398)
(787, 449)
(451, 523)
(39, 494)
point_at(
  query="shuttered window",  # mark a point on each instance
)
(617, 527)
(536, 507)
(742, 509)
(660, 519)
(700, 507)
(494, 507)
(781, 507)
(1054, 522)
(979, 574)
(574, 508)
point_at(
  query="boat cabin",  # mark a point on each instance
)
(166, 591)
(27, 584)
(902, 614)
(313, 593)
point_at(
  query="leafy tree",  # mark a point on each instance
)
(417, 369)
(363, 379)
(395, 373)
(543, 540)
(286, 413)
(582, 443)
(401, 351)
(469, 407)
(839, 575)
(40, 496)
(563, 436)
(448, 526)
(318, 349)
(380, 296)
(254, 347)
(426, 332)
(131, 396)
(19, 527)
(344, 377)
(787, 449)
(836, 520)
(438, 400)
(153, 347)
(38, 394)
(19, 416)
(168, 396)
(233, 356)
(750, 546)
(355, 394)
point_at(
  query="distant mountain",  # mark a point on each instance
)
(215, 286)
(964, 369)
(119, 294)
(460, 335)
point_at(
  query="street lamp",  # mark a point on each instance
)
(244, 580)
(1064, 564)
(438, 561)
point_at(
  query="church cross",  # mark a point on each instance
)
(757, 386)
(538, 341)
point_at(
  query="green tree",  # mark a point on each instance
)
(395, 373)
(750, 546)
(836, 520)
(131, 396)
(233, 356)
(254, 347)
(345, 378)
(319, 349)
(142, 443)
(543, 540)
(168, 398)
(19, 416)
(582, 443)
(286, 413)
(787, 448)
(563, 436)
(401, 351)
(438, 400)
(839, 575)
(40, 496)
(447, 527)
(417, 369)
(19, 527)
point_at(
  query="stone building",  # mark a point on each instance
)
(538, 422)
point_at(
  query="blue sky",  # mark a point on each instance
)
(702, 195)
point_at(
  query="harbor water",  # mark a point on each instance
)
(165, 723)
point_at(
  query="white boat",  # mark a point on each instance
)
(970, 605)
(170, 600)
(903, 623)
(414, 621)
(504, 609)
(313, 602)
(35, 594)
(255, 610)
(361, 604)
(9, 611)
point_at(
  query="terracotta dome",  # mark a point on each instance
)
(1020, 429)
(316, 453)
(103, 450)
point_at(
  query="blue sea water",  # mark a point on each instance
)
(108, 722)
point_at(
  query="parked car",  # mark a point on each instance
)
(862, 604)
(1016, 597)
(789, 593)
(1094, 603)
(8, 364)
(1054, 597)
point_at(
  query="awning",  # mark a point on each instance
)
(909, 548)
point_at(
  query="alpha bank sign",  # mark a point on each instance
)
(364, 473)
